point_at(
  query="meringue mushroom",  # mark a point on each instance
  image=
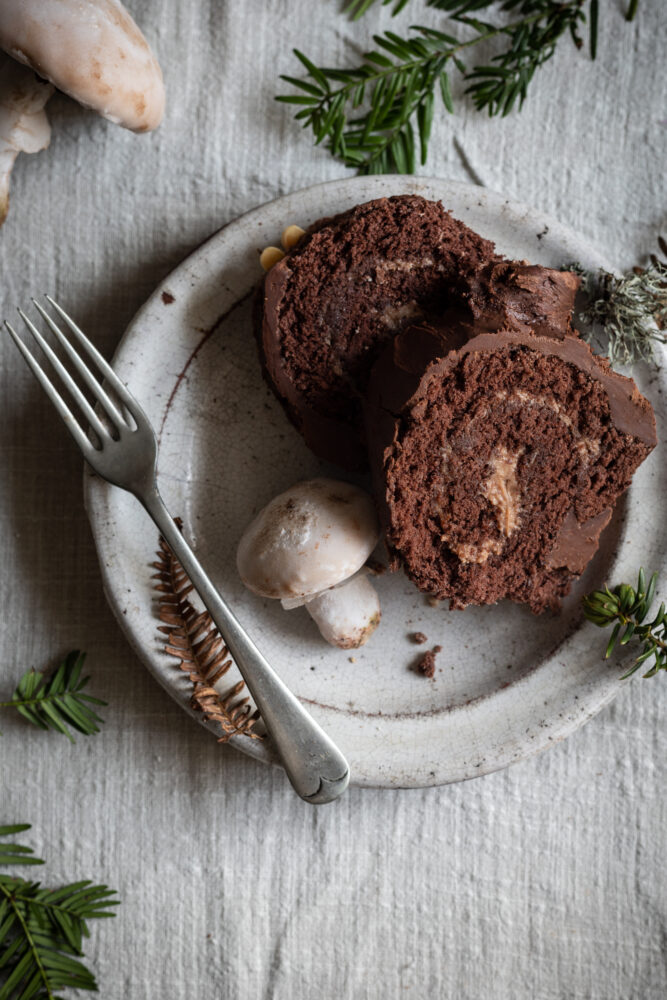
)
(24, 127)
(90, 49)
(347, 615)
(305, 546)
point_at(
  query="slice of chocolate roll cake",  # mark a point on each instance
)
(354, 281)
(351, 283)
(496, 465)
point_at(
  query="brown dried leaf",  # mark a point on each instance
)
(192, 638)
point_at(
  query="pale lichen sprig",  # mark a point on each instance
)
(632, 310)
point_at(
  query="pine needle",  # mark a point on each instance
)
(357, 8)
(56, 702)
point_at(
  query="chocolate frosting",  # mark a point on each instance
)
(576, 544)
(417, 355)
(514, 295)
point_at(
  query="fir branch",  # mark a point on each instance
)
(193, 639)
(42, 930)
(626, 609)
(371, 115)
(56, 702)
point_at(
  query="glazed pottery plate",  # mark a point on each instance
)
(507, 684)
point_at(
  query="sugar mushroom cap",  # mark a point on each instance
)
(309, 538)
(93, 51)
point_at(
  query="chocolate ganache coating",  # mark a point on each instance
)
(496, 464)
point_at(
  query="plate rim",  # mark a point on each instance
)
(97, 492)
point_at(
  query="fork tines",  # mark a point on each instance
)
(103, 431)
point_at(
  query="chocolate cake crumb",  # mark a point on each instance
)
(437, 649)
(419, 638)
(426, 664)
(167, 298)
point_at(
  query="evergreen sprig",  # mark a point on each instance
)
(626, 609)
(56, 702)
(42, 930)
(377, 116)
(357, 8)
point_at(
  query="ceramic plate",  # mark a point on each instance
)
(507, 684)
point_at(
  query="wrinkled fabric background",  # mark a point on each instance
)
(545, 881)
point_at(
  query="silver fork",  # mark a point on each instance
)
(128, 458)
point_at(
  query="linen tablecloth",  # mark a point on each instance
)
(546, 880)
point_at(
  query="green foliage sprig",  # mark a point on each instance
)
(377, 116)
(357, 8)
(626, 609)
(42, 930)
(57, 702)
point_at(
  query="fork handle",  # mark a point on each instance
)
(315, 766)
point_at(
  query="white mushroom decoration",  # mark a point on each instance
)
(308, 546)
(24, 127)
(90, 49)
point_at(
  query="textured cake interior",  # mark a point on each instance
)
(355, 284)
(499, 459)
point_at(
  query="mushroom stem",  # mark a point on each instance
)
(347, 615)
(24, 127)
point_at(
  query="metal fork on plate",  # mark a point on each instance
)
(124, 452)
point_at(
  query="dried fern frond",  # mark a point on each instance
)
(193, 639)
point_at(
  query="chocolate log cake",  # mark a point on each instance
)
(498, 442)
(496, 465)
(354, 281)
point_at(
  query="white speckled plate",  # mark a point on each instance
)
(508, 684)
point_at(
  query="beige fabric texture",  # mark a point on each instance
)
(543, 882)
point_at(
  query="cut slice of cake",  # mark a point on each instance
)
(351, 283)
(497, 465)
